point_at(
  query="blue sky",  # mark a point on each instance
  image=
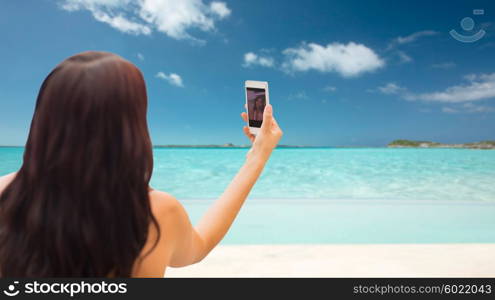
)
(349, 73)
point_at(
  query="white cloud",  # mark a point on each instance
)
(298, 96)
(478, 87)
(349, 60)
(470, 77)
(111, 12)
(398, 41)
(220, 8)
(477, 108)
(410, 38)
(172, 17)
(390, 88)
(121, 23)
(404, 57)
(459, 97)
(330, 88)
(449, 110)
(172, 78)
(467, 108)
(253, 59)
(140, 56)
(72, 5)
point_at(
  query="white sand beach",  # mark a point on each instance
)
(337, 260)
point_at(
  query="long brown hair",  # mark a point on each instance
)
(79, 205)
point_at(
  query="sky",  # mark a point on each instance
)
(341, 73)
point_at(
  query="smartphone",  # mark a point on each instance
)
(256, 100)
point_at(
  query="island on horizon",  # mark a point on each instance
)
(428, 144)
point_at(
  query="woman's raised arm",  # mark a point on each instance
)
(194, 243)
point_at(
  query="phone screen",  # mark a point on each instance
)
(256, 101)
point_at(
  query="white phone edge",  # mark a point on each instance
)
(258, 85)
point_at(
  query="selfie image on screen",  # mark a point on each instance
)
(256, 105)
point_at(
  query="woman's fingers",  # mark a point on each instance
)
(244, 116)
(246, 131)
(267, 118)
(249, 135)
(277, 128)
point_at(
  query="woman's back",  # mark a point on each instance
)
(154, 264)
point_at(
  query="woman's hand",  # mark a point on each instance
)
(268, 136)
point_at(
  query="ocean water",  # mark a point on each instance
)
(383, 174)
(324, 195)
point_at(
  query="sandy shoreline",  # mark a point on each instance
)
(357, 260)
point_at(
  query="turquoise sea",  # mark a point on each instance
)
(343, 195)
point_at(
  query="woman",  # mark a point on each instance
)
(81, 204)
(258, 108)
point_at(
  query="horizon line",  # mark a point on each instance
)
(230, 146)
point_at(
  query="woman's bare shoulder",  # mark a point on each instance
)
(163, 204)
(6, 180)
(154, 263)
(170, 214)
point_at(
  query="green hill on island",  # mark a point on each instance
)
(428, 144)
